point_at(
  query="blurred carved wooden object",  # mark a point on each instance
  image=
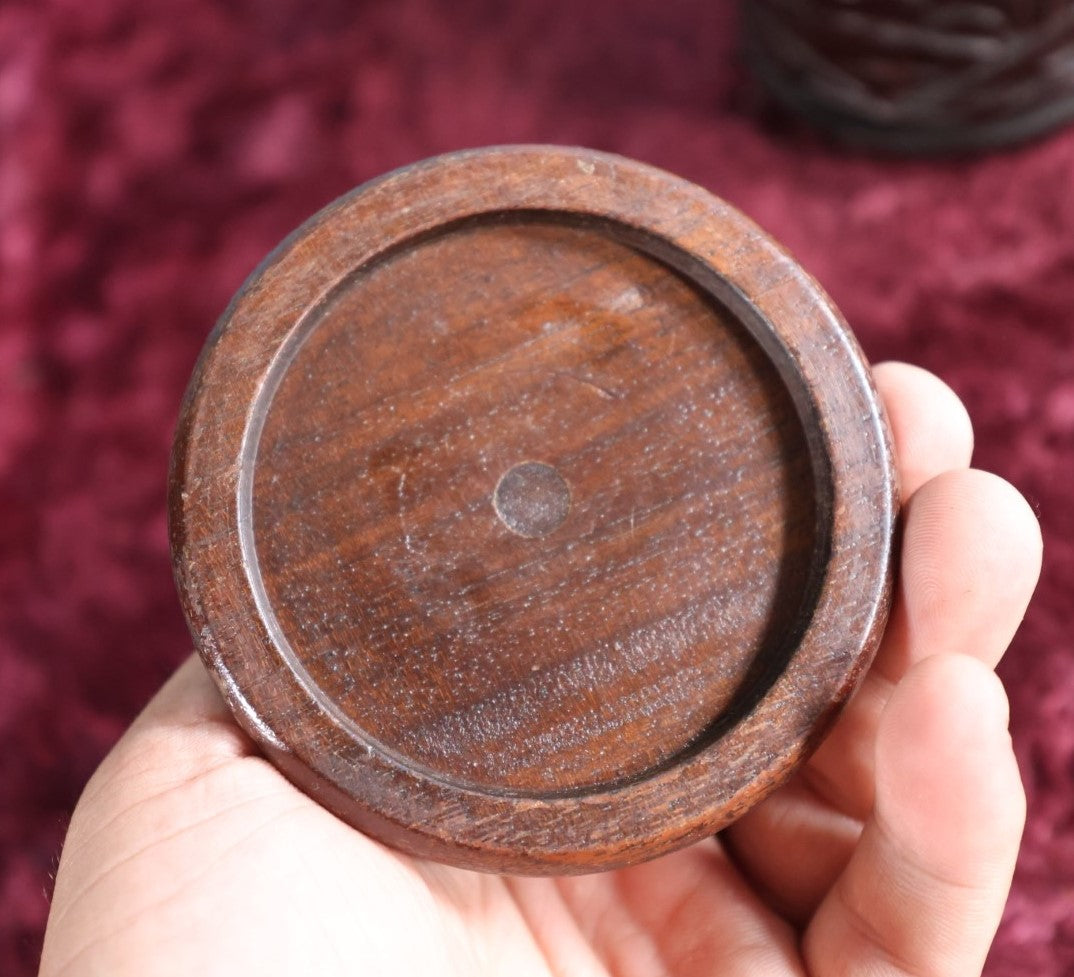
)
(918, 77)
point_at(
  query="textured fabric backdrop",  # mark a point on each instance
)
(152, 151)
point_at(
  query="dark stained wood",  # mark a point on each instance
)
(533, 510)
(909, 77)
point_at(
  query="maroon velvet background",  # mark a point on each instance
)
(152, 151)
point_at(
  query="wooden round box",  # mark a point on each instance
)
(533, 510)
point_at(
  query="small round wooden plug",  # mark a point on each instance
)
(533, 510)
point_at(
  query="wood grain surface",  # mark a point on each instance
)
(533, 510)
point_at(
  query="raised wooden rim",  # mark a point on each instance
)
(216, 568)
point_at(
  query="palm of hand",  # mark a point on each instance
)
(189, 853)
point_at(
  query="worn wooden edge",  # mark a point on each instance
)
(800, 330)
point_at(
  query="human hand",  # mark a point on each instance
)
(889, 853)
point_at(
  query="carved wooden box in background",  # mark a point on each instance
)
(533, 510)
(918, 75)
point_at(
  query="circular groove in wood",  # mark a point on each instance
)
(435, 694)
